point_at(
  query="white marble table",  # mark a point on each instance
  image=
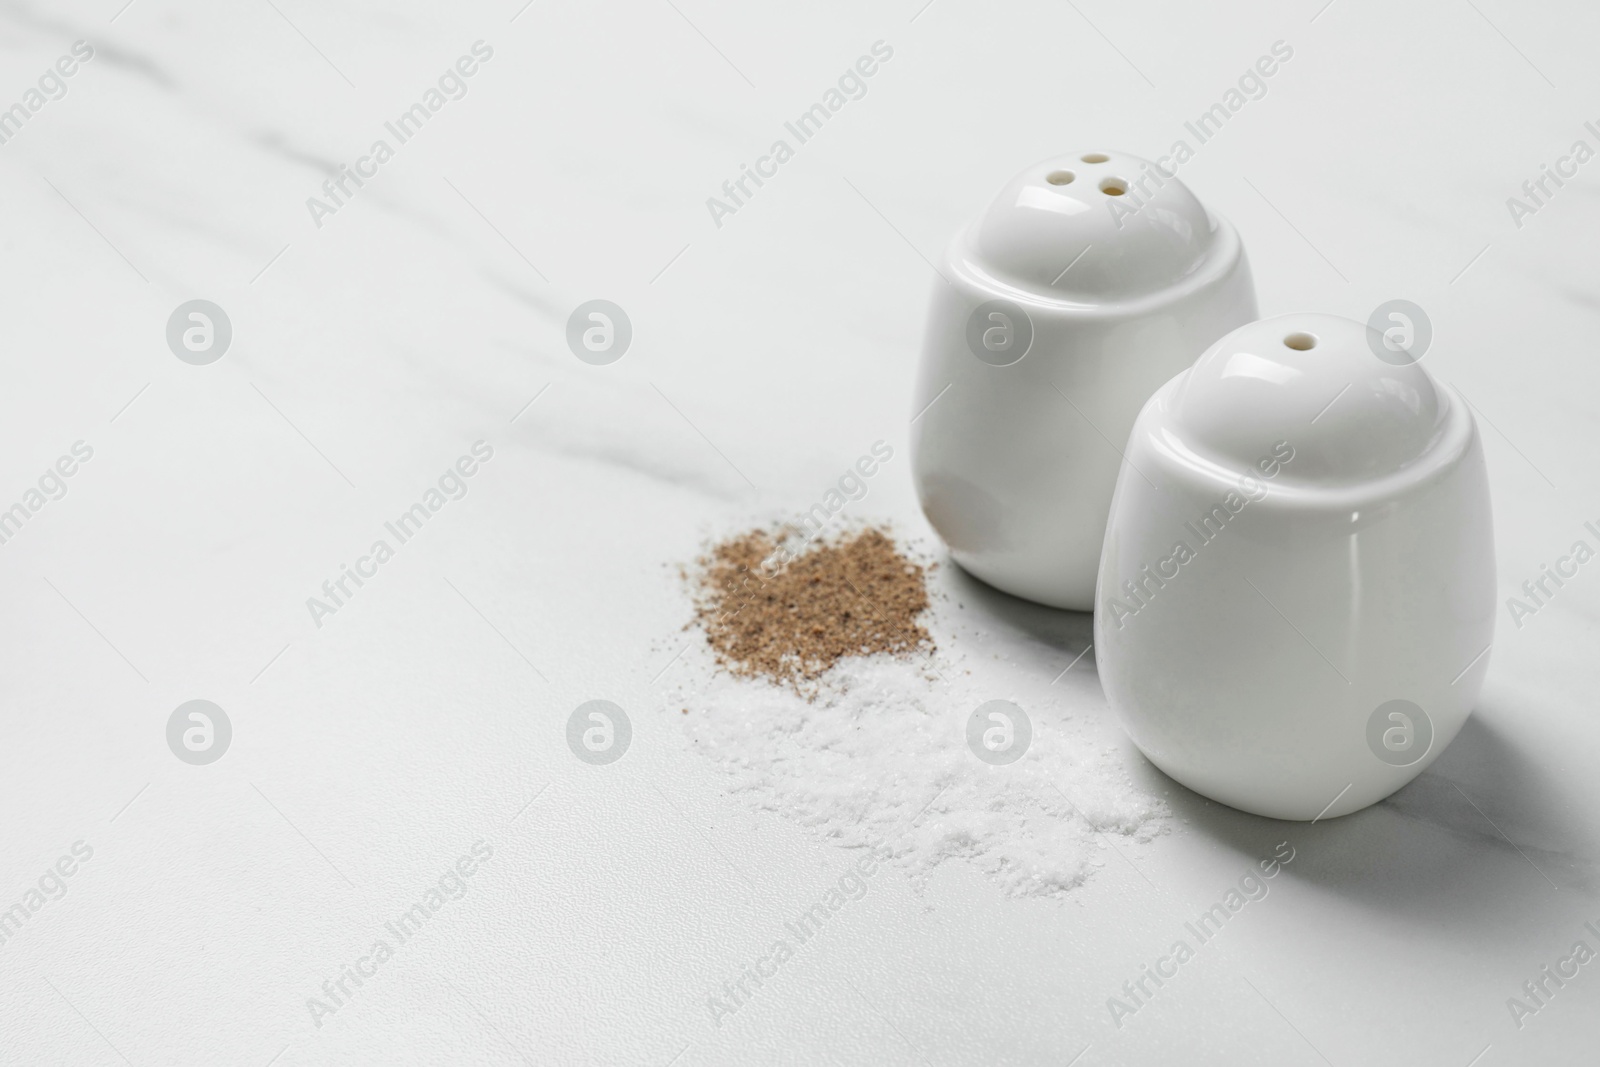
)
(376, 339)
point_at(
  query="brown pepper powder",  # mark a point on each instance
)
(853, 596)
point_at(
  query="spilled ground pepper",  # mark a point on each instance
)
(791, 617)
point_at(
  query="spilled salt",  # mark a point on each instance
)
(877, 755)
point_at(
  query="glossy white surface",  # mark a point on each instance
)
(1112, 294)
(1302, 534)
(1057, 232)
(384, 743)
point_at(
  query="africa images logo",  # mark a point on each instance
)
(1141, 592)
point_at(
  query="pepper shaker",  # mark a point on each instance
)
(1088, 281)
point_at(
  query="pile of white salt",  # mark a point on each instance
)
(875, 753)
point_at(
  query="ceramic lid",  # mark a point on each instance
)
(1094, 227)
(1317, 382)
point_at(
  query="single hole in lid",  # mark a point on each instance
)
(1113, 186)
(1095, 157)
(1300, 342)
(1060, 177)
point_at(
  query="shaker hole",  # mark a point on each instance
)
(1113, 186)
(1060, 177)
(1095, 157)
(1300, 342)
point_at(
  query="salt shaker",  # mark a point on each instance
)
(1297, 593)
(1086, 283)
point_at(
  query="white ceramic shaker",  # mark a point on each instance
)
(1088, 281)
(1297, 594)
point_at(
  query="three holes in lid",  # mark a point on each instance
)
(1110, 186)
(1300, 342)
